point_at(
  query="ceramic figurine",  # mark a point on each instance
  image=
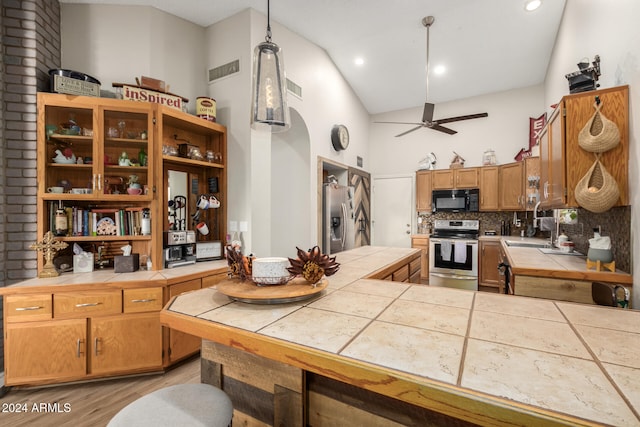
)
(123, 160)
(65, 156)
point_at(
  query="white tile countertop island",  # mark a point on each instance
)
(482, 358)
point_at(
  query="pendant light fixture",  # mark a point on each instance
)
(269, 92)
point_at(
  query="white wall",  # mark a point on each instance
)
(326, 100)
(505, 130)
(609, 29)
(116, 44)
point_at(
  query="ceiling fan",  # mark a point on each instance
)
(427, 113)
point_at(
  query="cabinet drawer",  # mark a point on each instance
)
(414, 266)
(87, 303)
(22, 308)
(401, 274)
(419, 242)
(214, 279)
(141, 300)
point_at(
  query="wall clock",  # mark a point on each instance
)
(339, 137)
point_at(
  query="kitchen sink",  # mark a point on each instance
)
(527, 244)
(556, 251)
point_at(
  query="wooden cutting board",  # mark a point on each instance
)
(297, 289)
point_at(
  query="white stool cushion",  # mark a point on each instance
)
(179, 405)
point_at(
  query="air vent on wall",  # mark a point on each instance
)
(224, 70)
(294, 88)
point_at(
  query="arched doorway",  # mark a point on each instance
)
(290, 188)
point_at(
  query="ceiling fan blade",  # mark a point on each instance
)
(409, 131)
(427, 113)
(443, 129)
(459, 118)
(401, 123)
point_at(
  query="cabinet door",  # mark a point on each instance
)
(532, 182)
(423, 191)
(51, 351)
(125, 343)
(511, 183)
(489, 188)
(614, 104)
(489, 260)
(556, 188)
(442, 179)
(466, 178)
(422, 243)
(181, 344)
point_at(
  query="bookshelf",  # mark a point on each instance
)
(88, 152)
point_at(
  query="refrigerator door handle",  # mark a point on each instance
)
(344, 225)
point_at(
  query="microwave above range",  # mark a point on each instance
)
(455, 200)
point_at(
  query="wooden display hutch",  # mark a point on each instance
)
(96, 186)
(93, 325)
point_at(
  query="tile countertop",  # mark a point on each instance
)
(530, 261)
(511, 360)
(108, 276)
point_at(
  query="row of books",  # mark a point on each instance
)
(83, 221)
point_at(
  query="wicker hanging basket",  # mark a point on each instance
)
(599, 134)
(597, 191)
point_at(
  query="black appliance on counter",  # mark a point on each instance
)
(455, 200)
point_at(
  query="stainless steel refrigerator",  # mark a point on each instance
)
(338, 227)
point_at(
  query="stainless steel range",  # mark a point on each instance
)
(453, 254)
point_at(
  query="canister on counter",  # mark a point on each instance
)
(206, 108)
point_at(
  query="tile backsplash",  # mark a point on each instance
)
(615, 223)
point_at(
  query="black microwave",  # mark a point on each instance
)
(455, 200)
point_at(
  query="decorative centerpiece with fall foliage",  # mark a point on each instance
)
(311, 265)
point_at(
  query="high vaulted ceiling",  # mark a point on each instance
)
(486, 45)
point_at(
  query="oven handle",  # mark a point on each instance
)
(452, 241)
(453, 276)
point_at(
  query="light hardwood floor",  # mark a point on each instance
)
(89, 404)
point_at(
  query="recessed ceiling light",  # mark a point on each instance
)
(531, 5)
(359, 61)
(439, 69)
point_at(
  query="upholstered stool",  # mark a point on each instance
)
(179, 405)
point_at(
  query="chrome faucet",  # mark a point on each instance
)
(535, 215)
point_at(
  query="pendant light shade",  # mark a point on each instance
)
(269, 91)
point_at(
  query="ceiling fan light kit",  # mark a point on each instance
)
(269, 91)
(427, 113)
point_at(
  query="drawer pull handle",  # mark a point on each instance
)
(95, 346)
(143, 300)
(88, 304)
(78, 352)
(35, 307)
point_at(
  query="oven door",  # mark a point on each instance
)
(453, 263)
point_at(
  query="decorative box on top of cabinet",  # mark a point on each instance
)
(563, 163)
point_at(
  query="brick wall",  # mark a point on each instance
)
(30, 47)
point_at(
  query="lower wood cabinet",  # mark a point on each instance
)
(422, 243)
(181, 345)
(44, 352)
(76, 349)
(125, 343)
(488, 275)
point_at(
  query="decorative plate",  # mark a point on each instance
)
(106, 227)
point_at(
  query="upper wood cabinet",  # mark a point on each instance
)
(489, 178)
(563, 163)
(423, 191)
(445, 179)
(512, 186)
